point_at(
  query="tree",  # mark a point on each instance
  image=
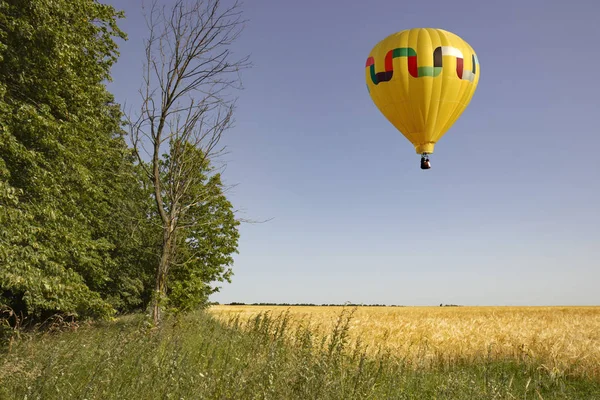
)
(206, 241)
(185, 108)
(67, 179)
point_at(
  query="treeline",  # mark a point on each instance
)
(321, 305)
(308, 304)
(80, 233)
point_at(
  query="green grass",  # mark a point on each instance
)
(197, 357)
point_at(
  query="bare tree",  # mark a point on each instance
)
(185, 109)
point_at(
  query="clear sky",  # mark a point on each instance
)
(509, 213)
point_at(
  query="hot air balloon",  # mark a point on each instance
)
(422, 80)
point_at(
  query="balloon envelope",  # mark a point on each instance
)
(422, 80)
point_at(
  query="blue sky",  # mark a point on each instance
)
(508, 215)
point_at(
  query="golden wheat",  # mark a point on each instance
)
(563, 340)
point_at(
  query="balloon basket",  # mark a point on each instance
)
(425, 163)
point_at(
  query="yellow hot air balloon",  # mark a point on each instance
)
(422, 80)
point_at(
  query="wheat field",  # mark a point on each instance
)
(562, 340)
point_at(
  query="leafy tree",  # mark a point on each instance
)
(207, 239)
(66, 175)
(132, 228)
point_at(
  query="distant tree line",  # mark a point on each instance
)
(308, 304)
(80, 231)
(321, 305)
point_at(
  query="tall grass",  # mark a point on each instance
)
(263, 357)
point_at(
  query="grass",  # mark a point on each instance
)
(263, 357)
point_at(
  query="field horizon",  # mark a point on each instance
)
(351, 304)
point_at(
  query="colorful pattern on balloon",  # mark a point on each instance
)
(418, 72)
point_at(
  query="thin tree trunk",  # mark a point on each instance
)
(160, 286)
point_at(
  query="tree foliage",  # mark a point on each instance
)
(80, 233)
(63, 156)
(207, 238)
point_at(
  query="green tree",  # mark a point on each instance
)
(206, 241)
(66, 173)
